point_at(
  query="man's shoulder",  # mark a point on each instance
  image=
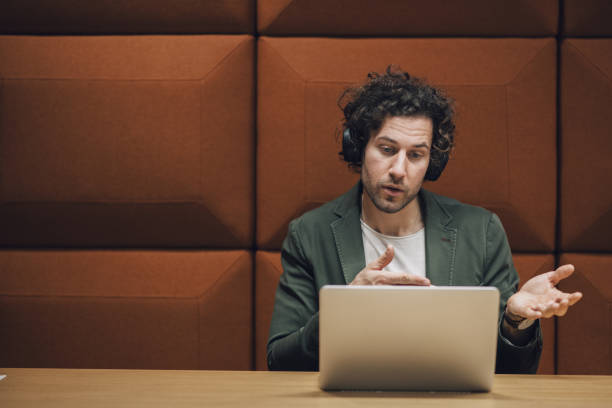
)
(330, 211)
(459, 211)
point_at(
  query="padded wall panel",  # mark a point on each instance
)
(506, 140)
(126, 309)
(408, 17)
(126, 16)
(586, 97)
(585, 333)
(587, 18)
(268, 269)
(126, 141)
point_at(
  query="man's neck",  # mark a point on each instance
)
(407, 221)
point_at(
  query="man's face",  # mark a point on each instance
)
(395, 161)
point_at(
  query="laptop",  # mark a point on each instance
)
(407, 338)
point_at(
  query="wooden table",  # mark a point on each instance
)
(43, 388)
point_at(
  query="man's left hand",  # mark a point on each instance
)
(539, 296)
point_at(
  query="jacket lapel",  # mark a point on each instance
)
(347, 234)
(440, 241)
(440, 237)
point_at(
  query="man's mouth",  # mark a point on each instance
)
(393, 190)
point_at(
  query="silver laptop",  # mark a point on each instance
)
(407, 338)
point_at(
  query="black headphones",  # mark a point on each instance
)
(352, 150)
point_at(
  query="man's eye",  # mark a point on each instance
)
(386, 149)
(416, 155)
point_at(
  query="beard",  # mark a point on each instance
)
(382, 201)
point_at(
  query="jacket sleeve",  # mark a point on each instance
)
(293, 343)
(500, 272)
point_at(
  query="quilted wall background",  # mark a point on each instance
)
(152, 154)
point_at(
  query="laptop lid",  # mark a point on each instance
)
(407, 338)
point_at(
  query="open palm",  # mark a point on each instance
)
(539, 296)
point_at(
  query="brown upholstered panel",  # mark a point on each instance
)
(585, 333)
(127, 16)
(126, 309)
(587, 18)
(126, 141)
(528, 266)
(586, 97)
(407, 17)
(506, 144)
(268, 270)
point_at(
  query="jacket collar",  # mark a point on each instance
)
(347, 233)
(440, 239)
(440, 236)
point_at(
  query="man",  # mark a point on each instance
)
(388, 230)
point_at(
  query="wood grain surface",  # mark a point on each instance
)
(69, 388)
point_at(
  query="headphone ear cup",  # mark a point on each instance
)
(350, 151)
(434, 171)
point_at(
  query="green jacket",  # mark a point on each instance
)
(464, 245)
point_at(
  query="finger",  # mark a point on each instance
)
(551, 308)
(410, 279)
(562, 307)
(523, 309)
(383, 260)
(528, 313)
(574, 298)
(564, 304)
(546, 314)
(398, 278)
(531, 313)
(543, 309)
(561, 273)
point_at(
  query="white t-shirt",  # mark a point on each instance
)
(409, 250)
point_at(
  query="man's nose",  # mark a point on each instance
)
(398, 167)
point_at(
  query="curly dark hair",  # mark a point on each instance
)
(396, 93)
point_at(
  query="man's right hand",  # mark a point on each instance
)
(374, 273)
